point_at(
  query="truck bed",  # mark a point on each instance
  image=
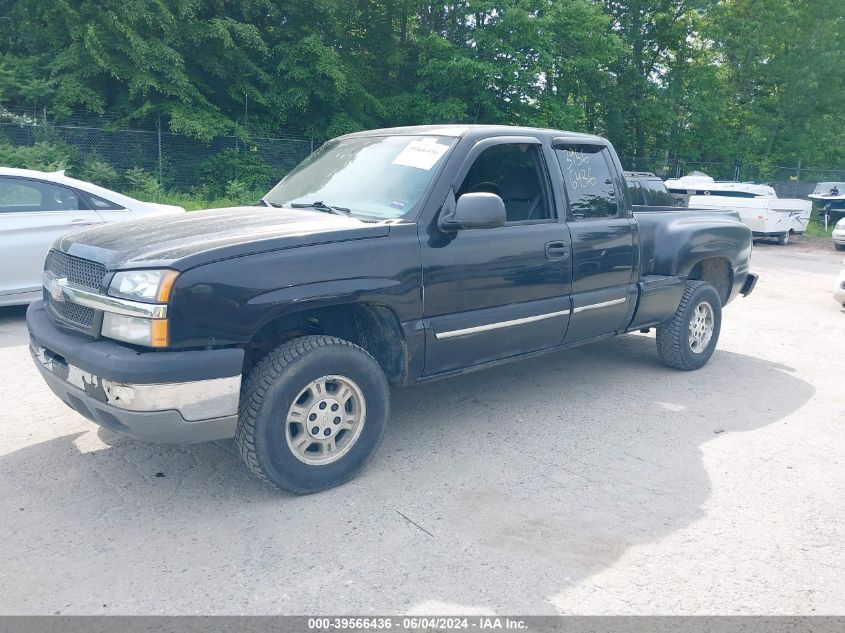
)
(667, 234)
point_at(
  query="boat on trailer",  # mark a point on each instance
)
(758, 205)
(831, 197)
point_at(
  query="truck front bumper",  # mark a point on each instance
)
(175, 397)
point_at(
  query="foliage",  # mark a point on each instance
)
(755, 80)
(142, 182)
(243, 168)
(194, 202)
(100, 173)
(42, 156)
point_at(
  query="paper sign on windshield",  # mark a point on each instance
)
(422, 154)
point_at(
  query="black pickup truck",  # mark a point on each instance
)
(647, 190)
(388, 257)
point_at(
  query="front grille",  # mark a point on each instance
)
(78, 316)
(79, 272)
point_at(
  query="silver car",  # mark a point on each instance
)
(38, 207)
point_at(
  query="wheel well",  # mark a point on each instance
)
(373, 327)
(717, 272)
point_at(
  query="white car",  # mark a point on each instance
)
(839, 235)
(839, 288)
(38, 207)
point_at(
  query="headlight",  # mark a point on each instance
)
(152, 286)
(147, 286)
(135, 330)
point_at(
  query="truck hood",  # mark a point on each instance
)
(185, 240)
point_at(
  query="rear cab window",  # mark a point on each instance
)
(589, 182)
(636, 193)
(657, 193)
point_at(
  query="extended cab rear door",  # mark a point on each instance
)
(605, 246)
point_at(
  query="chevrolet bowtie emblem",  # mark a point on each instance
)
(55, 287)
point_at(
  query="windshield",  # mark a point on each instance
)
(829, 188)
(379, 176)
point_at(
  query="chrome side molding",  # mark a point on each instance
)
(603, 304)
(499, 325)
(540, 317)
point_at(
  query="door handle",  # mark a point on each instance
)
(80, 221)
(557, 250)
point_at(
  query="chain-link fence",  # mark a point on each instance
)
(789, 182)
(128, 159)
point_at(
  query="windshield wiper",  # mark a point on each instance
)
(319, 205)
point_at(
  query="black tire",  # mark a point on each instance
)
(783, 238)
(839, 247)
(673, 336)
(268, 393)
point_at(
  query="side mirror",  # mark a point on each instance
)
(478, 210)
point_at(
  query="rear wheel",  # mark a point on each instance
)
(783, 238)
(840, 247)
(688, 339)
(312, 412)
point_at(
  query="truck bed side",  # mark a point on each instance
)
(672, 242)
(679, 244)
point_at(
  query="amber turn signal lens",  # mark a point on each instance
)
(159, 333)
(165, 288)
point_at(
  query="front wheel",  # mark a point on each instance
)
(312, 412)
(688, 339)
(839, 247)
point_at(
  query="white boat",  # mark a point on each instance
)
(829, 192)
(758, 205)
(831, 197)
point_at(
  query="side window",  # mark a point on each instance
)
(515, 172)
(658, 195)
(589, 182)
(636, 192)
(18, 194)
(101, 203)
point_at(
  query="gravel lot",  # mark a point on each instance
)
(592, 481)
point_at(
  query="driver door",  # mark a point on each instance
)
(494, 293)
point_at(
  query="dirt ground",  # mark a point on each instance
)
(594, 481)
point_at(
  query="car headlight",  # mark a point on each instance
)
(146, 286)
(151, 286)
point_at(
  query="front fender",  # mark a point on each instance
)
(227, 302)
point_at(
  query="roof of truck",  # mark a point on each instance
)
(458, 130)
